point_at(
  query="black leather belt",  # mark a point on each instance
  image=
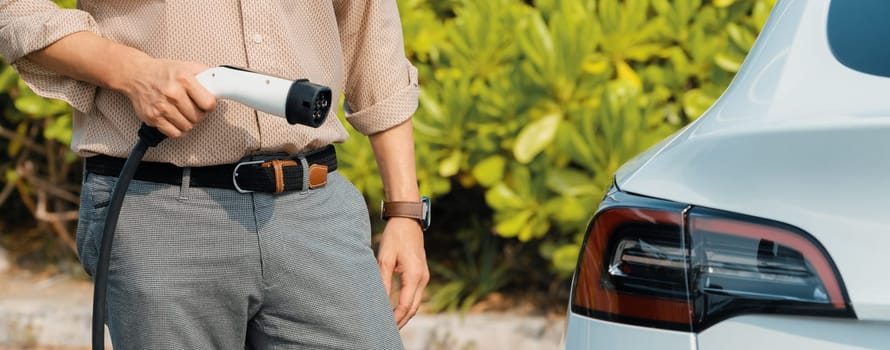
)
(274, 173)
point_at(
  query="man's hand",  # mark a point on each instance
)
(401, 251)
(166, 95)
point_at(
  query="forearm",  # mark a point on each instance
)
(394, 149)
(88, 57)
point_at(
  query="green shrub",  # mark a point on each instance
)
(535, 104)
(36, 163)
(538, 104)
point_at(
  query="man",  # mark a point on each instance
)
(202, 267)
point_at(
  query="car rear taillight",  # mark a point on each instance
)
(667, 265)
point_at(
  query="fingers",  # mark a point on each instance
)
(181, 116)
(169, 112)
(387, 264)
(166, 128)
(185, 107)
(418, 294)
(414, 280)
(197, 93)
(402, 312)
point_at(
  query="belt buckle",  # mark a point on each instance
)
(235, 174)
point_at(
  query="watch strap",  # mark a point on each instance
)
(412, 210)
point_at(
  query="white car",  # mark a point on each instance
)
(765, 224)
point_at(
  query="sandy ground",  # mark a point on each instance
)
(53, 313)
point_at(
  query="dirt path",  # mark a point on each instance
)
(37, 310)
(53, 313)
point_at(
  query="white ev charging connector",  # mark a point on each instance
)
(300, 101)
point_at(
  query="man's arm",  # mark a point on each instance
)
(38, 35)
(401, 248)
(382, 93)
(164, 93)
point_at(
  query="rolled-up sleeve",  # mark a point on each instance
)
(30, 25)
(381, 84)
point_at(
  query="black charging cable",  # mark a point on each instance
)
(148, 137)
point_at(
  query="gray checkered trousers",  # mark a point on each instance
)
(207, 268)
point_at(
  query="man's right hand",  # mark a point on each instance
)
(166, 95)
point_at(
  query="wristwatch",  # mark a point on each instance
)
(419, 211)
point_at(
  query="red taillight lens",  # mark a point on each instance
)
(633, 267)
(666, 265)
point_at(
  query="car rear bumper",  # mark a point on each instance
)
(738, 333)
(589, 333)
(793, 332)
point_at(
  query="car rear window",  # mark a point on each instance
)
(859, 34)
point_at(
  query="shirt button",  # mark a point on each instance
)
(258, 38)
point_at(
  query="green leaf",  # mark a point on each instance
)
(627, 74)
(728, 63)
(490, 170)
(11, 175)
(570, 182)
(54, 107)
(643, 52)
(8, 78)
(31, 105)
(542, 34)
(66, 3)
(450, 165)
(501, 197)
(521, 182)
(566, 257)
(740, 36)
(513, 224)
(569, 209)
(59, 129)
(71, 157)
(431, 106)
(595, 65)
(535, 137)
(574, 144)
(696, 102)
(537, 228)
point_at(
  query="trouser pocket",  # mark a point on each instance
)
(94, 198)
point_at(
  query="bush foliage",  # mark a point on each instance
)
(537, 103)
(527, 108)
(40, 175)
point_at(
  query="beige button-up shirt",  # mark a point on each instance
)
(353, 46)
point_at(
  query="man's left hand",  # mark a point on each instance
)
(401, 251)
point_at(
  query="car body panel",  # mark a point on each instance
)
(786, 332)
(589, 333)
(785, 145)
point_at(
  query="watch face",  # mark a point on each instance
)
(425, 219)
